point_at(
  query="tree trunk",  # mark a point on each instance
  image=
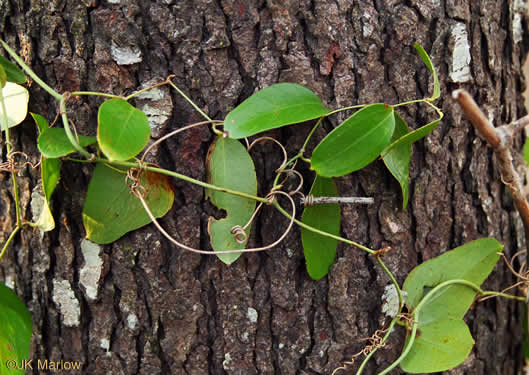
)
(144, 306)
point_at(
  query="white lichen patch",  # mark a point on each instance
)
(390, 300)
(157, 116)
(37, 202)
(125, 55)
(105, 345)
(68, 305)
(114, 1)
(91, 271)
(227, 361)
(517, 29)
(460, 67)
(9, 282)
(252, 315)
(152, 94)
(393, 227)
(132, 321)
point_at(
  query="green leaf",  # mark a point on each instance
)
(54, 143)
(40, 121)
(426, 59)
(230, 166)
(50, 170)
(355, 143)
(319, 250)
(123, 130)
(473, 262)
(16, 100)
(413, 136)
(526, 150)
(398, 159)
(110, 210)
(439, 346)
(273, 107)
(14, 74)
(15, 331)
(3, 77)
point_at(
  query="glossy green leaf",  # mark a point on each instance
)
(54, 143)
(50, 173)
(426, 59)
(319, 250)
(3, 77)
(439, 346)
(230, 166)
(40, 121)
(413, 136)
(273, 107)
(473, 262)
(15, 331)
(398, 159)
(123, 130)
(110, 210)
(355, 143)
(14, 74)
(50, 170)
(16, 100)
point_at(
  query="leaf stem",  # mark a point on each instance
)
(67, 130)
(30, 72)
(301, 151)
(189, 100)
(93, 93)
(345, 109)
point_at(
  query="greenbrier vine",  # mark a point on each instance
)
(373, 131)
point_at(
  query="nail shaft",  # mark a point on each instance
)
(310, 200)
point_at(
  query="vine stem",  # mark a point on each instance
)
(393, 321)
(11, 236)
(300, 153)
(429, 296)
(128, 164)
(30, 72)
(188, 100)
(325, 234)
(67, 130)
(5, 125)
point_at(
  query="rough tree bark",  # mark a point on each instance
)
(143, 306)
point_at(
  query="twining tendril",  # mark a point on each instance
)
(169, 135)
(11, 165)
(264, 139)
(376, 341)
(136, 190)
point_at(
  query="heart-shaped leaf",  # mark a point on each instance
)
(273, 107)
(426, 59)
(13, 73)
(319, 250)
(473, 262)
(439, 346)
(230, 166)
(16, 100)
(398, 159)
(123, 130)
(110, 210)
(15, 331)
(54, 143)
(355, 143)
